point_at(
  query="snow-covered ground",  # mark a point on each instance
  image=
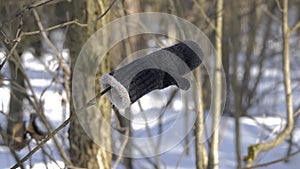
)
(251, 130)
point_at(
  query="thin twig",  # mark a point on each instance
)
(8, 117)
(297, 113)
(11, 51)
(52, 134)
(37, 107)
(122, 149)
(207, 19)
(271, 15)
(295, 27)
(278, 5)
(38, 4)
(50, 157)
(145, 155)
(21, 34)
(184, 150)
(76, 22)
(24, 11)
(61, 65)
(16, 157)
(265, 127)
(44, 35)
(149, 134)
(8, 41)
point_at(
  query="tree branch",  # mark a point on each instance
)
(54, 132)
(44, 35)
(76, 22)
(273, 162)
(271, 15)
(295, 27)
(7, 42)
(207, 19)
(19, 163)
(278, 5)
(122, 149)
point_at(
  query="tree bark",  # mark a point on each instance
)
(213, 161)
(201, 154)
(83, 151)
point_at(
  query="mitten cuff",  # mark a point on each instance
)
(118, 94)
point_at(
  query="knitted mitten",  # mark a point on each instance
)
(157, 70)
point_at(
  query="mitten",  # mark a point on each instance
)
(156, 70)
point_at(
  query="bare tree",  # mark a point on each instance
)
(255, 150)
(213, 162)
(201, 154)
(200, 105)
(83, 151)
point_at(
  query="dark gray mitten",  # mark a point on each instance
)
(157, 70)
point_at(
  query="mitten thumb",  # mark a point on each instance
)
(176, 79)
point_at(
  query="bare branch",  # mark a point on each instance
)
(8, 42)
(25, 10)
(271, 15)
(44, 35)
(122, 149)
(51, 135)
(36, 104)
(9, 54)
(273, 162)
(297, 112)
(18, 164)
(42, 31)
(41, 3)
(207, 19)
(66, 70)
(184, 150)
(76, 22)
(8, 117)
(38, 4)
(278, 5)
(295, 27)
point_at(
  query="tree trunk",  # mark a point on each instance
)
(213, 161)
(201, 154)
(236, 86)
(16, 96)
(199, 129)
(17, 85)
(83, 151)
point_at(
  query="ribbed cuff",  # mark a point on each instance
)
(118, 94)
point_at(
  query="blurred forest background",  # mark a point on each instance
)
(258, 41)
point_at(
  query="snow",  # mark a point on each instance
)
(251, 129)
